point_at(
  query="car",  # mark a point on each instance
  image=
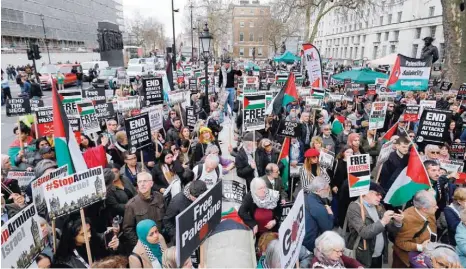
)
(136, 61)
(106, 77)
(48, 72)
(136, 70)
(99, 65)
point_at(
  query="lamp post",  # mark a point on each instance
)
(205, 40)
(174, 41)
(45, 37)
(192, 34)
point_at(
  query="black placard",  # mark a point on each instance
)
(433, 125)
(138, 131)
(290, 128)
(94, 94)
(355, 89)
(196, 222)
(262, 74)
(152, 91)
(35, 104)
(17, 107)
(445, 86)
(411, 113)
(104, 110)
(75, 124)
(457, 150)
(286, 210)
(191, 117)
(461, 93)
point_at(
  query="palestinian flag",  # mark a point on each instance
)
(391, 132)
(318, 93)
(412, 179)
(86, 108)
(286, 95)
(254, 102)
(285, 160)
(70, 96)
(66, 147)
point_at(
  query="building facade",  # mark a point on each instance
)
(376, 31)
(68, 24)
(247, 34)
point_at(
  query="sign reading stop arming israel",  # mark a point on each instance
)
(253, 111)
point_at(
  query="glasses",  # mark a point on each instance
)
(277, 171)
(130, 159)
(266, 146)
(326, 129)
(435, 152)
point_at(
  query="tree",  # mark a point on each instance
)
(454, 30)
(146, 32)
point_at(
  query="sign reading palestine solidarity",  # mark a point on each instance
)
(291, 233)
(290, 128)
(253, 111)
(152, 91)
(377, 116)
(410, 74)
(355, 89)
(359, 174)
(44, 116)
(21, 239)
(433, 125)
(89, 120)
(138, 130)
(457, 150)
(196, 222)
(17, 107)
(70, 193)
(411, 113)
(38, 191)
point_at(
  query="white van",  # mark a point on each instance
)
(136, 61)
(98, 65)
(136, 70)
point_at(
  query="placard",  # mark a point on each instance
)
(377, 116)
(104, 110)
(70, 193)
(89, 121)
(196, 222)
(193, 84)
(94, 94)
(359, 174)
(155, 117)
(176, 98)
(312, 102)
(138, 131)
(461, 92)
(128, 103)
(445, 86)
(38, 192)
(44, 116)
(291, 233)
(69, 99)
(234, 190)
(326, 159)
(452, 166)
(152, 91)
(290, 128)
(22, 239)
(191, 117)
(433, 125)
(253, 111)
(23, 178)
(355, 89)
(17, 107)
(411, 113)
(385, 152)
(426, 104)
(457, 150)
(286, 207)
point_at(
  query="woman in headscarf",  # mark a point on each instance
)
(261, 209)
(354, 143)
(150, 247)
(15, 152)
(206, 138)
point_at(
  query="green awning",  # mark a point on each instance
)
(365, 75)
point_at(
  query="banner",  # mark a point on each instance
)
(359, 174)
(313, 65)
(268, 98)
(36, 104)
(410, 74)
(176, 98)
(75, 124)
(138, 131)
(250, 84)
(452, 166)
(433, 125)
(89, 121)
(95, 94)
(291, 233)
(457, 150)
(290, 128)
(22, 239)
(355, 89)
(69, 99)
(104, 110)
(253, 111)
(281, 79)
(377, 116)
(196, 222)
(326, 159)
(38, 192)
(44, 116)
(17, 107)
(155, 117)
(152, 91)
(411, 113)
(312, 102)
(285, 211)
(385, 151)
(193, 84)
(191, 117)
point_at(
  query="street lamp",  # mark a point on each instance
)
(174, 41)
(205, 40)
(45, 36)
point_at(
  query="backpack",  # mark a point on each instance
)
(200, 167)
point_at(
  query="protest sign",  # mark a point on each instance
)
(433, 125)
(281, 79)
(70, 193)
(201, 81)
(313, 61)
(69, 99)
(152, 91)
(195, 223)
(371, 89)
(377, 116)
(253, 111)
(75, 124)
(234, 190)
(268, 98)
(155, 117)
(128, 103)
(461, 92)
(44, 116)
(191, 117)
(37, 190)
(104, 110)
(410, 74)
(411, 113)
(299, 80)
(94, 94)
(176, 98)
(326, 159)
(291, 233)
(250, 84)
(426, 104)
(17, 107)
(381, 81)
(36, 104)
(457, 150)
(89, 120)
(359, 174)
(355, 89)
(290, 128)
(138, 131)
(122, 76)
(285, 211)
(193, 84)
(452, 166)
(303, 92)
(312, 102)
(22, 239)
(445, 86)
(23, 178)
(335, 97)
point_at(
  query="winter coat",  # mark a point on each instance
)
(199, 153)
(317, 219)
(139, 249)
(347, 262)
(262, 159)
(453, 219)
(117, 198)
(159, 178)
(230, 78)
(278, 186)
(460, 238)
(243, 169)
(178, 203)
(248, 208)
(391, 169)
(173, 135)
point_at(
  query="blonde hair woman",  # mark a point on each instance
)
(169, 259)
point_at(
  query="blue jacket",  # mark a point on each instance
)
(317, 219)
(460, 238)
(453, 219)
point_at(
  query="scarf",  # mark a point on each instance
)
(324, 262)
(270, 200)
(153, 251)
(120, 147)
(224, 75)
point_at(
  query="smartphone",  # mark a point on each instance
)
(108, 236)
(433, 237)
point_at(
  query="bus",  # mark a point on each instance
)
(130, 52)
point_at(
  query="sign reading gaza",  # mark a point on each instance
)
(433, 125)
(152, 91)
(290, 128)
(195, 223)
(138, 130)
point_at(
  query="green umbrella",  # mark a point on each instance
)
(365, 76)
(287, 57)
(252, 66)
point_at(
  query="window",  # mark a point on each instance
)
(351, 53)
(241, 37)
(241, 51)
(379, 35)
(346, 53)
(350, 27)
(432, 31)
(251, 36)
(241, 24)
(260, 38)
(399, 16)
(381, 20)
(360, 25)
(352, 39)
(364, 39)
(386, 36)
(250, 52)
(431, 11)
(414, 51)
(389, 19)
(396, 35)
(441, 53)
(392, 49)
(374, 53)
(356, 52)
(384, 51)
(259, 52)
(418, 33)
(251, 24)
(367, 24)
(362, 52)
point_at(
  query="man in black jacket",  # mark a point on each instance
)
(245, 164)
(226, 80)
(396, 162)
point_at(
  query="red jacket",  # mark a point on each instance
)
(347, 262)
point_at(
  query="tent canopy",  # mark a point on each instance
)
(365, 75)
(252, 66)
(386, 60)
(287, 57)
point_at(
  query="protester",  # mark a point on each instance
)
(244, 161)
(440, 184)
(119, 191)
(166, 174)
(226, 81)
(311, 169)
(132, 167)
(118, 148)
(396, 160)
(206, 138)
(148, 251)
(173, 134)
(60, 81)
(265, 154)
(274, 181)
(452, 213)
(328, 252)
(169, 259)
(210, 171)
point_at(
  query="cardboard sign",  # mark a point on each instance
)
(191, 117)
(94, 94)
(426, 104)
(433, 125)
(457, 150)
(17, 107)
(37, 190)
(377, 116)
(290, 128)
(23, 178)
(155, 117)
(104, 110)
(152, 91)
(461, 92)
(138, 131)
(285, 211)
(22, 239)
(411, 113)
(253, 111)
(234, 190)
(291, 233)
(89, 121)
(312, 102)
(44, 116)
(69, 99)
(70, 193)
(359, 174)
(196, 222)
(355, 89)
(445, 86)
(326, 159)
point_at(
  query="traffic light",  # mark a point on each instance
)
(30, 54)
(35, 48)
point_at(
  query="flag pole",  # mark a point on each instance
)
(21, 145)
(86, 236)
(35, 126)
(363, 216)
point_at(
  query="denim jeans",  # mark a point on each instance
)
(230, 100)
